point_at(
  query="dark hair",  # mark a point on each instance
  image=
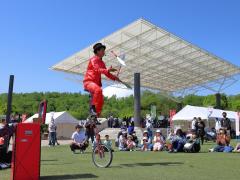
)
(78, 126)
(179, 132)
(224, 130)
(97, 47)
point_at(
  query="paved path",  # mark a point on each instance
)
(61, 142)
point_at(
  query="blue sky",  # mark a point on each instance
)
(34, 35)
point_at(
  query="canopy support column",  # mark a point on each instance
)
(137, 99)
(9, 102)
(218, 101)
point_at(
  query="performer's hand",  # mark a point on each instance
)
(111, 69)
(117, 79)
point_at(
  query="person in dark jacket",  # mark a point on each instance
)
(200, 126)
(226, 123)
(90, 130)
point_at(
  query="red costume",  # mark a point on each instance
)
(92, 81)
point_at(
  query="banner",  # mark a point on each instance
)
(172, 112)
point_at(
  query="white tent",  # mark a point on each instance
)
(64, 121)
(189, 112)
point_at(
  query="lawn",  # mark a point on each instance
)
(60, 163)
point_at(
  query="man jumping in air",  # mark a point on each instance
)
(92, 79)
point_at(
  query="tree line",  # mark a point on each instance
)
(77, 104)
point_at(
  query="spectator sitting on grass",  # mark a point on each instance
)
(108, 142)
(135, 138)
(193, 143)
(237, 148)
(79, 140)
(118, 136)
(123, 141)
(170, 139)
(130, 143)
(146, 142)
(223, 142)
(159, 141)
(178, 142)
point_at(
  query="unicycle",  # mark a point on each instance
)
(101, 155)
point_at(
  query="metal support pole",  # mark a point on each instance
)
(218, 101)
(9, 102)
(137, 99)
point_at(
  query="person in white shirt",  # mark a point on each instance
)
(159, 141)
(218, 125)
(193, 127)
(52, 128)
(79, 140)
(123, 141)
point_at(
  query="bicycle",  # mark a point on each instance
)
(102, 155)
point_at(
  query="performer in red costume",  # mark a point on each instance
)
(92, 79)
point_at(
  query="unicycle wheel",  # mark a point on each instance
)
(102, 156)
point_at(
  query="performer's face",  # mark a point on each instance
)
(101, 53)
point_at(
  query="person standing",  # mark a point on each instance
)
(90, 130)
(52, 128)
(218, 125)
(226, 123)
(194, 124)
(200, 129)
(111, 119)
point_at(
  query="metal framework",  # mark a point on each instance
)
(165, 61)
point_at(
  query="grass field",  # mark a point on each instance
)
(60, 163)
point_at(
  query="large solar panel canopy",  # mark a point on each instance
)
(166, 62)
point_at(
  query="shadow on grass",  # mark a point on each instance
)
(56, 164)
(153, 164)
(49, 160)
(69, 176)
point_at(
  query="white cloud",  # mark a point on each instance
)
(118, 90)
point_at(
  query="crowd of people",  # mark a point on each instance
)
(116, 122)
(175, 141)
(221, 133)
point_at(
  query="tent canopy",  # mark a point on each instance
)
(166, 62)
(189, 112)
(59, 117)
